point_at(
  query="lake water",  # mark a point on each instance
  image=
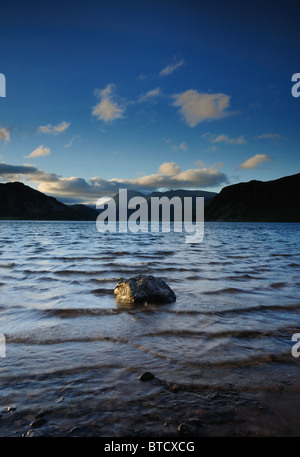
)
(220, 354)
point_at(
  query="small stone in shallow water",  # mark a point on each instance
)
(146, 376)
(144, 289)
(11, 408)
(74, 429)
(33, 433)
(38, 423)
(40, 415)
(174, 388)
(190, 427)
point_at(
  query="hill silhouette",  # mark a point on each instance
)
(18, 201)
(254, 201)
(258, 201)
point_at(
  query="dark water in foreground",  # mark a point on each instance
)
(221, 353)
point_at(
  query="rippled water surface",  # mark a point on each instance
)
(221, 353)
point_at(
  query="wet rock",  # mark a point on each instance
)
(174, 387)
(38, 422)
(40, 415)
(146, 376)
(34, 433)
(10, 409)
(190, 427)
(144, 288)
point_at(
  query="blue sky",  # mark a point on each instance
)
(147, 95)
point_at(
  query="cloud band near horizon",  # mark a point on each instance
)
(169, 176)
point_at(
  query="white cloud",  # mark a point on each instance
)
(254, 161)
(222, 138)
(107, 91)
(71, 141)
(269, 136)
(169, 176)
(107, 109)
(17, 172)
(175, 147)
(54, 129)
(4, 134)
(200, 164)
(196, 107)
(169, 69)
(150, 95)
(41, 151)
(169, 169)
(182, 146)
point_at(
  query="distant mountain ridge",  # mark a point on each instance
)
(181, 193)
(21, 202)
(254, 201)
(258, 201)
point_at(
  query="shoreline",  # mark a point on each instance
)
(168, 410)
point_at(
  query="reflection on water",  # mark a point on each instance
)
(73, 350)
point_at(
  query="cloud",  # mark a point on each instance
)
(41, 151)
(54, 129)
(17, 172)
(150, 95)
(107, 91)
(182, 146)
(254, 161)
(196, 107)
(169, 169)
(200, 164)
(71, 141)
(222, 138)
(107, 109)
(4, 134)
(269, 136)
(142, 77)
(169, 69)
(7, 169)
(169, 176)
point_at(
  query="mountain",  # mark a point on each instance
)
(208, 196)
(181, 193)
(21, 202)
(258, 201)
(86, 210)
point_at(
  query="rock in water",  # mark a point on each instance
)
(146, 376)
(38, 423)
(144, 288)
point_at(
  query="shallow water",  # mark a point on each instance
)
(221, 352)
